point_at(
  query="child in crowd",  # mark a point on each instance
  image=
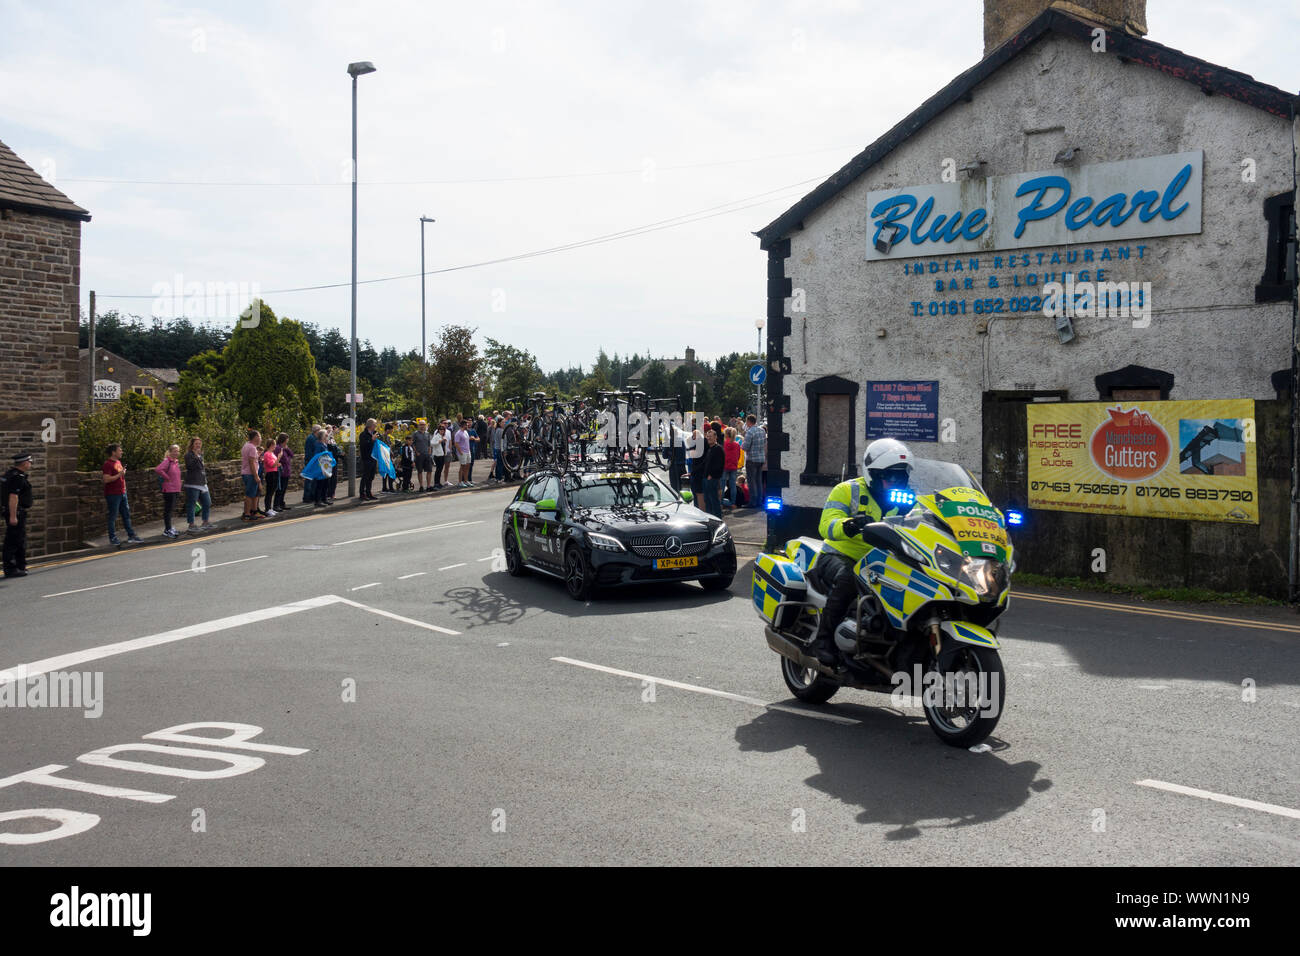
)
(169, 474)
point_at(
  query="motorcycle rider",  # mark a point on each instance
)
(850, 507)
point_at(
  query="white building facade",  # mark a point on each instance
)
(1073, 152)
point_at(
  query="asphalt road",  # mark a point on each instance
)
(424, 707)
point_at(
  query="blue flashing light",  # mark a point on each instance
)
(772, 504)
(901, 496)
(1014, 517)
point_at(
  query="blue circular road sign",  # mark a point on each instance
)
(757, 374)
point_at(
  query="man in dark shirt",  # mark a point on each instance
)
(368, 464)
(16, 500)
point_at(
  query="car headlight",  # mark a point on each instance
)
(605, 542)
(722, 535)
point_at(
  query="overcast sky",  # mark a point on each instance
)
(517, 126)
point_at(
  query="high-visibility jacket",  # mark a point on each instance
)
(847, 500)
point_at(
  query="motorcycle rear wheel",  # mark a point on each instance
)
(806, 684)
(955, 724)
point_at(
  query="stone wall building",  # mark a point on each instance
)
(116, 376)
(40, 397)
(1071, 92)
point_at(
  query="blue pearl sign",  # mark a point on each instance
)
(1132, 199)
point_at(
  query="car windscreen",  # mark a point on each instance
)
(609, 491)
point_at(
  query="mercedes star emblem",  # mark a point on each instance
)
(673, 544)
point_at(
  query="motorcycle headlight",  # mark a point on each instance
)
(981, 574)
(950, 562)
(605, 542)
(722, 534)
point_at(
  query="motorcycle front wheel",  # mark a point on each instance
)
(963, 700)
(806, 684)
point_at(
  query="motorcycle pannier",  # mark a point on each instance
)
(778, 580)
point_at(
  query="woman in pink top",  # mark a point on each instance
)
(169, 469)
(248, 457)
(731, 464)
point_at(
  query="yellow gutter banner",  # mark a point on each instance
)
(1193, 461)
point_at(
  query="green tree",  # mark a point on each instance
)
(511, 372)
(265, 360)
(450, 382)
(737, 390)
(328, 347)
(201, 377)
(597, 381)
(680, 385)
(655, 382)
(139, 424)
(335, 384)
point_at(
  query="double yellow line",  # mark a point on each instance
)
(1155, 612)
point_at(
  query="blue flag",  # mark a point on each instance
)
(320, 467)
(381, 454)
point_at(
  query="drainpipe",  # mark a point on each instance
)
(1295, 378)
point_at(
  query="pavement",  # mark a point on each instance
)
(370, 686)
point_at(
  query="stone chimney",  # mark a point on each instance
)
(690, 355)
(1003, 19)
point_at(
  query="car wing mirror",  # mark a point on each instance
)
(687, 496)
(547, 504)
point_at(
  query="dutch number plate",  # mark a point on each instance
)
(662, 563)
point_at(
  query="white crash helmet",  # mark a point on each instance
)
(883, 454)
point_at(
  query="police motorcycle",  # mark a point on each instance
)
(930, 591)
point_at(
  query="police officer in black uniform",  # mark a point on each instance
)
(16, 501)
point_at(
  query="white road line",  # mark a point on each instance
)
(150, 577)
(403, 577)
(394, 534)
(362, 587)
(398, 617)
(488, 558)
(784, 708)
(75, 659)
(1221, 798)
(450, 566)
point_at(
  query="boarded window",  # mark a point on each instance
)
(834, 429)
(1135, 394)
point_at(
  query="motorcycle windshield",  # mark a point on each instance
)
(930, 476)
(955, 502)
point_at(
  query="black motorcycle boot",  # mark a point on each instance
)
(823, 645)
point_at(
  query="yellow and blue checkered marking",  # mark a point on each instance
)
(775, 580)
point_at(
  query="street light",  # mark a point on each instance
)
(424, 349)
(758, 389)
(354, 70)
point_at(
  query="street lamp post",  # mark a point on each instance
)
(354, 70)
(758, 389)
(424, 349)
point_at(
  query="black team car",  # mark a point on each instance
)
(606, 527)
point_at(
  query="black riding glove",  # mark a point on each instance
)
(853, 526)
